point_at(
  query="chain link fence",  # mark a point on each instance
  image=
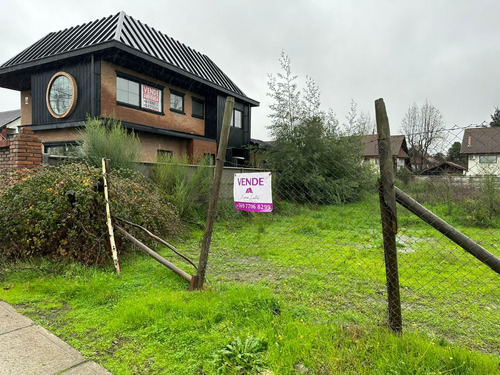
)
(322, 249)
(326, 257)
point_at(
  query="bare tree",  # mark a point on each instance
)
(423, 127)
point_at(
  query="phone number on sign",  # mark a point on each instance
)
(254, 206)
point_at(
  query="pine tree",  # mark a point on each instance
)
(495, 118)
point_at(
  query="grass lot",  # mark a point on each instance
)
(297, 292)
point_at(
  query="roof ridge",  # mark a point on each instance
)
(119, 26)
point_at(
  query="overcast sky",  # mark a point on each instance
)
(445, 51)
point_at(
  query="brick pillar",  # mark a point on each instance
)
(25, 150)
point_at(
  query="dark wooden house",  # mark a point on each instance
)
(444, 168)
(172, 96)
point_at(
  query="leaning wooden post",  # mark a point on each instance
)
(105, 171)
(388, 214)
(452, 233)
(199, 278)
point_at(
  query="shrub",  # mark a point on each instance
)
(484, 211)
(464, 202)
(186, 186)
(108, 139)
(316, 164)
(60, 212)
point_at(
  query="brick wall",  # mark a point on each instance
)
(198, 148)
(24, 150)
(185, 123)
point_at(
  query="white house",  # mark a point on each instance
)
(482, 147)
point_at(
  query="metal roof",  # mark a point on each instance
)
(8, 117)
(127, 33)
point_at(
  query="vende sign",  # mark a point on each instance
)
(151, 98)
(252, 192)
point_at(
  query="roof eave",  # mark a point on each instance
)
(116, 44)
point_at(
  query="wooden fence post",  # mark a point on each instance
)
(199, 278)
(388, 214)
(105, 172)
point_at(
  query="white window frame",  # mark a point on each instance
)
(488, 159)
(238, 124)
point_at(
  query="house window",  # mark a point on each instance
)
(164, 153)
(198, 108)
(210, 157)
(492, 159)
(61, 95)
(138, 94)
(62, 149)
(176, 101)
(237, 120)
(127, 92)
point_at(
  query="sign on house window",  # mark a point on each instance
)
(151, 98)
(138, 95)
(253, 192)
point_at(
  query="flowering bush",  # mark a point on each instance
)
(60, 212)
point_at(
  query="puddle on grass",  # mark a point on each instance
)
(405, 243)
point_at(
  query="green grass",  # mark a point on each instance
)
(301, 292)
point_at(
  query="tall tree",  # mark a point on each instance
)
(358, 124)
(285, 108)
(423, 127)
(454, 154)
(311, 101)
(495, 118)
(313, 160)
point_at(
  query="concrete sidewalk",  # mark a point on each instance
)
(27, 349)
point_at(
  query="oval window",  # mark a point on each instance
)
(61, 95)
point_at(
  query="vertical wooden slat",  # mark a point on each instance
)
(105, 172)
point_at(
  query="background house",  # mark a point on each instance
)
(444, 168)
(10, 121)
(399, 152)
(482, 148)
(172, 96)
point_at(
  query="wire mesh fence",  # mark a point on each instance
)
(326, 256)
(321, 249)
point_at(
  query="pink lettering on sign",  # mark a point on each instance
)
(251, 181)
(255, 207)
